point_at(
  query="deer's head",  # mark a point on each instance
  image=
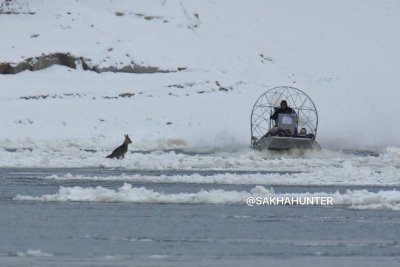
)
(127, 139)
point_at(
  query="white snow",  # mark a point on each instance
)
(342, 53)
(324, 164)
(356, 199)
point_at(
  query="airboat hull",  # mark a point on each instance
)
(286, 143)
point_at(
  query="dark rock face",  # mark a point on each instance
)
(39, 63)
(71, 61)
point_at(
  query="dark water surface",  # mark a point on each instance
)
(126, 234)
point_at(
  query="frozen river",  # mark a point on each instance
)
(113, 216)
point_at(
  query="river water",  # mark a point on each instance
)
(65, 217)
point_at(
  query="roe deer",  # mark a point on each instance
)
(120, 151)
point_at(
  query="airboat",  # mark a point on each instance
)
(289, 130)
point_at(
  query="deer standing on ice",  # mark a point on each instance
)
(120, 151)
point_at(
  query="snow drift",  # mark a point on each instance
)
(230, 51)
